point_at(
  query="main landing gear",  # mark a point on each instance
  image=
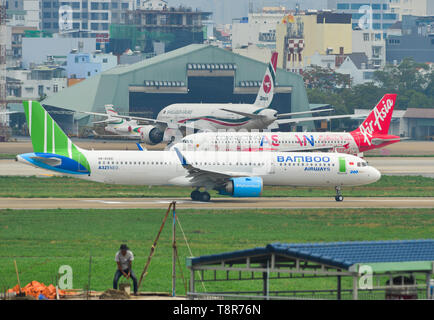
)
(339, 197)
(196, 195)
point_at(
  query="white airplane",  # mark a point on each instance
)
(237, 174)
(130, 129)
(192, 117)
(371, 134)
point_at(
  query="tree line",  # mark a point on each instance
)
(413, 82)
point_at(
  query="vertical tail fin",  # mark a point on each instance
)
(378, 120)
(47, 137)
(266, 91)
(109, 109)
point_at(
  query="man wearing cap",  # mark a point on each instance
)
(124, 258)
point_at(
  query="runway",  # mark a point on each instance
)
(216, 203)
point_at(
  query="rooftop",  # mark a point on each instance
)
(425, 113)
(381, 255)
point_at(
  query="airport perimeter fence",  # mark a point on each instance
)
(380, 294)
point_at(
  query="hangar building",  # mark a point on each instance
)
(195, 73)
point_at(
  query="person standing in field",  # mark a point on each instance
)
(124, 259)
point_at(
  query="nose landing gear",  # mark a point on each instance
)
(196, 195)
(339, 197)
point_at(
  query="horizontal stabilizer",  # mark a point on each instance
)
(53, 162)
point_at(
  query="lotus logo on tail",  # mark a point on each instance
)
(267, 84)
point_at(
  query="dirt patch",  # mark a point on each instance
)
(112, 294)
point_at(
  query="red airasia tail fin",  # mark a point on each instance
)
(378, 120)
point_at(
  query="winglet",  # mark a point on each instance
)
(181, 157)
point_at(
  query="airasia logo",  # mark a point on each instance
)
(267, 84)
(368, 129)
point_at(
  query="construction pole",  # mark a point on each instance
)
(174, 251)
(18, 277)
(154, 245)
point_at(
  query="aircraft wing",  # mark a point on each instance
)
(146, 120)
(115, 135)
(200, 177)
(102, 121)
(297, 120)
(245, 114)
(282, 115)
(10, 112)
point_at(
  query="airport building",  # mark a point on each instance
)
(195, 73)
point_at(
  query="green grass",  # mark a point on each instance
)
(43, 240)
(6, 156)
(64, 187)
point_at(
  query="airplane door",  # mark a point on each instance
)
(342, 165)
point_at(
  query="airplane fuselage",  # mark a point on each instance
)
(342, 142)
(275, 168)
(211, 116)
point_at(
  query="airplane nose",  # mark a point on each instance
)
(374, 174)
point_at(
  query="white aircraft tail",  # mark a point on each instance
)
(266, 91)
(109, 109)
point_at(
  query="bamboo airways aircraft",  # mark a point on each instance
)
(237, 174)
(192, 117)
(371, 134)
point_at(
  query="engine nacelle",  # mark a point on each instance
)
(243, 187)
(151, 135)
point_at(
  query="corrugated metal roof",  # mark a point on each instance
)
(111, 86)
(339, 254)
(421, 113)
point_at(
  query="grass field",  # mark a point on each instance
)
(7, 156)
(43, 240)
(64, 187)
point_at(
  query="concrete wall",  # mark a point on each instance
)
(320, 36)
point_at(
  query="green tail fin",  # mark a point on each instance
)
(47, 136)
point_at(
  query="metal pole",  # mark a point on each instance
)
(192, 287)
(339, 287)
(355, 284)
(174, 251)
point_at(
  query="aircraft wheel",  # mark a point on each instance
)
(195, 195)
(339, 198)
(205, 197)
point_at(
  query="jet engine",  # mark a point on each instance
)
(151, 135)
(243, 187)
